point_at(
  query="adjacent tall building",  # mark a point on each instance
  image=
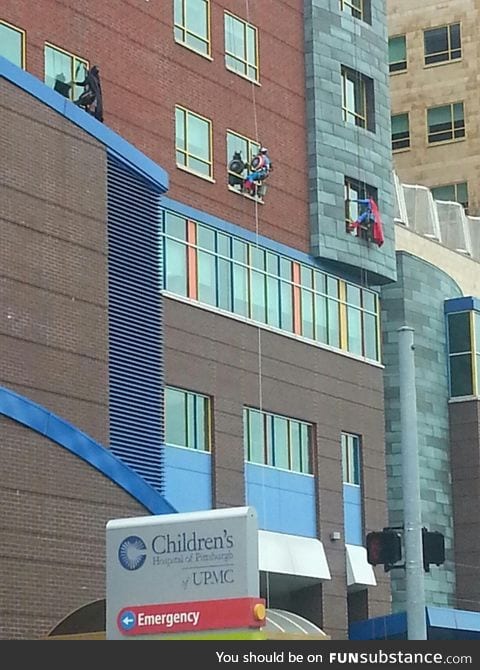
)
(434, 56)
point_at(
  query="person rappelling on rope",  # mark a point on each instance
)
(370, 220)
(91, 98)
(236, 171)
(260, 168)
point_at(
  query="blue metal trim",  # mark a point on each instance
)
(116, 145)
(46, 423)
(462, 304)
(249, 236)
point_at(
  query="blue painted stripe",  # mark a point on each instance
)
(462, 304)
(46, 423)
(136, 384)
(156, 176)
(266, 242)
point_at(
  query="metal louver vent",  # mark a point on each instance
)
(136, 371)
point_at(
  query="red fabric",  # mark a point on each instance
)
(377, 228)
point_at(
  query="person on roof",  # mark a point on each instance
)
(91, 98)
(260, 168)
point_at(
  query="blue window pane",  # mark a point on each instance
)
(307, 313)
(354, 330)
(333, 323)
(255, 437)
(273, 302)
(370, 336)
(280, 444)
(207, 286)
(240, 290)
(321, 334)
(224, 284)
(175, 417)
(11, 45)
(287, 306)
(258, 297)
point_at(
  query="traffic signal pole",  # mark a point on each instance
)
(414, 575)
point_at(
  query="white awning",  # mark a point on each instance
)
(359, 571)
(292, 555)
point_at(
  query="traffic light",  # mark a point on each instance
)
(384, 547)
(433, 544)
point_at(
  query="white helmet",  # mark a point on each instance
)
(264, 150)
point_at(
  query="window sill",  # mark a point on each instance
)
(196, 174)
(245, 195)
(441, 144)
(401, 151)
(243, 76)
(463, 398)
(394, 72)
(449, 61)
(195, 51)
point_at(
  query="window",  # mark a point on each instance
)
(278, 441)
(246, 148)
(193, 141)
(357, 99)
(62, 69)
(12, 44)
(446, 123)
(452, 192)
(442, 44)
(187, 419)
(221, 270)
(351, 459)
(397, 53)
(354, 191)
(400, 132)
(192, 24)
(241, 48)
(462, 362)
(359, 9)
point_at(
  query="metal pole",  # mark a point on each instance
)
(414, 574)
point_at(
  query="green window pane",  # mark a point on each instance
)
(477, 332)
(201, 423)
(400, 124)
(459, 333)
(397, 49)
(205, 238)
(280, 443)
(296, 446)
(191, 421)
(439, 116)
(176, 267)
(198, 137)
(240, 250)
(11, 44)
(306, 277)
(353, 295)
(58, 71)
(255, 437)
(175, 415)
(321, 331)
(197, 17)
(224, 284)
(240, 290)
(285, 269)
(236, 144)
(272, 263)
(446, 192)
(258, 296)
(234, 38)
(306, 452)
(369, 301)
(477, 390)
(273, 302)
(175, 226)
(458, 112)
(258, 258)
(370, 336)
(223, 245)
(462, 193)
(320, 282)
(307, 313)
(332, 287)
(356, 461)
(180, 129)
(286, 306)
(207, 285)
(354, 330)
(333, 323)
(344, 458)
(461, 375)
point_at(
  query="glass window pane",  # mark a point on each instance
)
(207, 285)
(202, 441)
(477, 332)
(180, 128)
(355, 460)
(446, 192)
(436, 40)
(240, 290)
(175, 267)
(369, 301)
(258, 296)
(198, 137)
(370, 336)
(455, 36)
(175, 226)
(286, 306)
(353, 295)
(240, 251)
(333, 323)
(205, 238)
(256, 437)
(224, 284)
(280, 445)
(321, 318)
(459, 332)
(354, 330)
(307, 313)
(273, 302)
(196, 13)
(175, 413)
(397, 50)
(296, 446)
(58, 71)
(258, 258)
(307, 467)
(191, 420)
(344, 459)
(399, 124)
(461, 375)
(285, 268)
(11, 44)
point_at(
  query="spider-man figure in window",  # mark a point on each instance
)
(370, 218)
